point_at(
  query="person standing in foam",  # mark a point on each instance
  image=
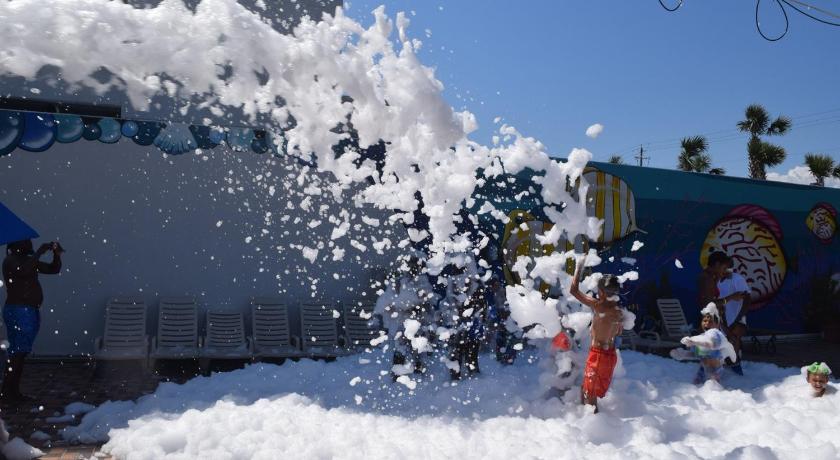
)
(711, 347)
(607, 322)
(736, 292)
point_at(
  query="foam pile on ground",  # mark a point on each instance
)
(311, 410)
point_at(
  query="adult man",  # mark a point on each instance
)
(707, 283)
(21, 312)
(734, 288)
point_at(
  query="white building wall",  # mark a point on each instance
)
(134, 222)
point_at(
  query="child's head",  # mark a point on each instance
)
(711, 317)
(817, 375)
(608, 287)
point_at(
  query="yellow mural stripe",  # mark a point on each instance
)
(616, 208)
(599, 199)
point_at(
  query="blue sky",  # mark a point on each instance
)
(552, 68)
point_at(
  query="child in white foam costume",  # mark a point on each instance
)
(711, 347)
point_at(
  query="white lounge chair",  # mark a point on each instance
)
(319, 331)
(673, 319)
(358, 326)
(225, 337)
(270, 326)
(177, 336)
(125, 331)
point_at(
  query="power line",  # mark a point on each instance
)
(812, 7)
(800, 121)
(675, 8)
(781, 4)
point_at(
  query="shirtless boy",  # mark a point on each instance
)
(606, 325)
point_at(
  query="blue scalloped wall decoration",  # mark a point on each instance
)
(37, 132)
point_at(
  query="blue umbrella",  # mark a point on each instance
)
(12, 228)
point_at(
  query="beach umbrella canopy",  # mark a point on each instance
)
(12, 228)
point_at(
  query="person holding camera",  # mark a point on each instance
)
(21, 312)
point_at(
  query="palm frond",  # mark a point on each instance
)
(821, 166)
(616, 160)
(717, 171)
(836, 172)
(694, 145)
(702, 163)
(684, 162)
(771, 154)
(779, 126)
(694, 163)
(755, 120)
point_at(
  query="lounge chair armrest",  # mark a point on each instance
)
(342, 341)
(295, 341)
(97, 343)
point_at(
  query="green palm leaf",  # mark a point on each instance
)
(761, 154)
(771, 154)
(755, 120)
(821, 166)
(780, 126)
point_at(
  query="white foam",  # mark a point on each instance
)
(651, 411)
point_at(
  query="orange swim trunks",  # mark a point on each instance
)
(599, 370)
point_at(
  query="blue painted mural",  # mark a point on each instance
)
(782, 237)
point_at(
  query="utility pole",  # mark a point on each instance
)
(641, 156)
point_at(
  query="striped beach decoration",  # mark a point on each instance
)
(610, 199)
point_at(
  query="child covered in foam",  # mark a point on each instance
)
(818, 375)
(711, 347)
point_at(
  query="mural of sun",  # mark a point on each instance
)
(752, 237)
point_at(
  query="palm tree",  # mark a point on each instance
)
(822, 166)
(616, 160)
(763, 154)
(693, 156)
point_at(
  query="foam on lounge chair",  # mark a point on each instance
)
(319, 331)
(359, 325)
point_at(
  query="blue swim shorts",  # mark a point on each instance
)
(22, 325)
